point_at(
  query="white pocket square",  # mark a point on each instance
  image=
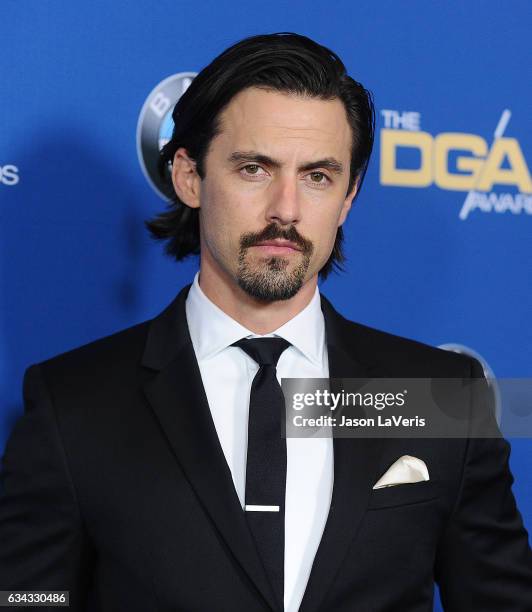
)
(405, 470)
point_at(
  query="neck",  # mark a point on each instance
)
(257, 316)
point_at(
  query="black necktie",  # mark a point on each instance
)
(266, 458)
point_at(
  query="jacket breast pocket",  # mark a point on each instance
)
(403, 494)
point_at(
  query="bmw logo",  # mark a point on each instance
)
(155, 126)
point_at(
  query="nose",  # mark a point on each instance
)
(284, 206)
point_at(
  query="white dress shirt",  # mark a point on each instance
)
(227, 373)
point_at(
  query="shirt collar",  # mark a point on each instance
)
(212, 330)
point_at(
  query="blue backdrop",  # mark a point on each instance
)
(438, 243)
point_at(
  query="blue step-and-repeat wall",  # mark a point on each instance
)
(439, 243)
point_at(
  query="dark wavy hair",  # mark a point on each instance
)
(284, 62)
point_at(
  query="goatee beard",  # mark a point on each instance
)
(268, 279)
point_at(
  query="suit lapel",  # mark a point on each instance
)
(177, 396)
(356, 463)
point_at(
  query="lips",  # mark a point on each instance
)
(278, 245)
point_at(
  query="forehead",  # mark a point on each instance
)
(280, 123)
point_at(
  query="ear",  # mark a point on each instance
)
(346, 206)
(185, 178)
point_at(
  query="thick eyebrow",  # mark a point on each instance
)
(330, 163)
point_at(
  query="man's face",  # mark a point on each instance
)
(277, 172)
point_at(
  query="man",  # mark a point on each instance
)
(149, 472)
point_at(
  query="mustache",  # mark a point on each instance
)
(273, 232)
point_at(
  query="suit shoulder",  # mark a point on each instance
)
(406, 355)
(107, 356)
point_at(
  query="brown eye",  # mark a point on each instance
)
(317, 177)
(252, 168)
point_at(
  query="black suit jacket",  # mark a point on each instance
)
(115, 487)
